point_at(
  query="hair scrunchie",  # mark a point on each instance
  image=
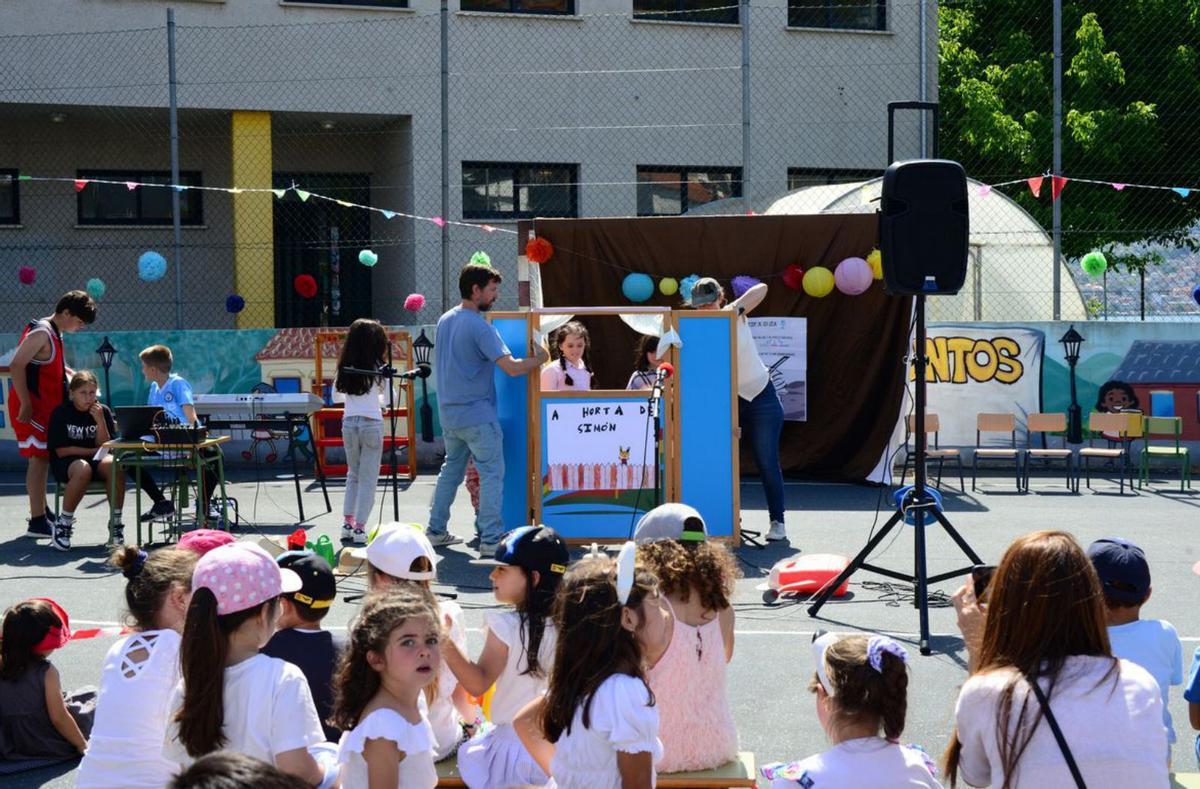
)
(135, 569)
(877, 645)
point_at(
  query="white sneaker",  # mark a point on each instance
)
(117, 540)
(60, 534)
(442, 538)
(347, 532)
(358, 536)
(777, 532)
(487, 550)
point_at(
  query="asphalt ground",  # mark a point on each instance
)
(772, 662)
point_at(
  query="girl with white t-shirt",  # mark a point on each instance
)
(597, 726)
(233, 698)
(518, 654)
(570, 370)
(861, 685)
(365, 348)
(393, 655)
(140, 673)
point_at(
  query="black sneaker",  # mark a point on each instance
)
(60, 535)
(161, 509)
(38, 527)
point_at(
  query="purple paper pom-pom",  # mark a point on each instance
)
(741, 284)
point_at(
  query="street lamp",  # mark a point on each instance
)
(1071, 342)
(422, 348)
(106, 352)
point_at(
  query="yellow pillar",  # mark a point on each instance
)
(253, 220)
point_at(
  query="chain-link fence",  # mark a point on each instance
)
(454, 124)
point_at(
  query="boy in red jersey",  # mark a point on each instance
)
(39, 378)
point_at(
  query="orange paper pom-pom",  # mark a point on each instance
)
(539, 250)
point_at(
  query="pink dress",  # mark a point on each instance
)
(695, 722)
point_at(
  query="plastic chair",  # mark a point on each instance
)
(1050, 423)
(1172, 428)
(262, 435)
(932, 425)
(996, 423)
(1115, 429)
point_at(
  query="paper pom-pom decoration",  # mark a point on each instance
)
(234, 303)
(1094, 263)
(669, 286)
(637, 287)
(875, 261)
(686, 284)
(483, 259)
(305, 285)
(818, 282)
(853, 276)
(26, 275)
(368, 258)
(151, 266)
(539, 250)
(793, 277)
(96, 288)
(414, 302)
(741, 284)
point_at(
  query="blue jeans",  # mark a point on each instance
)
(485, 443)
(363, 440)
(762, 423)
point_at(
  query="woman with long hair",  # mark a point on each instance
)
(1047, 704)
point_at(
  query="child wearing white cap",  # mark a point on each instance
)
(232, 697)
(399, 555)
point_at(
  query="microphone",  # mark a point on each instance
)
(665, 371)
(422, 371)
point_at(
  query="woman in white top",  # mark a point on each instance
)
(1044, 623)
(760, 413)
(365, 348)
(140, 672)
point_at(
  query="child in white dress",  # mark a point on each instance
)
(140, 673)
(597, 726)
(392, 657)
(518, 653)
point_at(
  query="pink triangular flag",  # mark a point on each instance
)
(984, 190)
(488, 228)
(80, 183)
(1035, 185)
(1057, 184)
(1118, 187)
(437, 220)
(130, 185)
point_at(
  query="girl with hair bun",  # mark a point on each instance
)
(140, 672)
(861, 685)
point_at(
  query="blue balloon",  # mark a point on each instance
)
(234, 303)
(638, 287)
(901, 499)
(151, 266)
(1196, 295)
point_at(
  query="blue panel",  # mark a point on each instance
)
(286, 385)
(512, 403)
(706, 421)
(1162, 403)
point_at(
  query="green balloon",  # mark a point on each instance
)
(1094, 263)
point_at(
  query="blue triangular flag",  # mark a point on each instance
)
(387, 214)
(1179, 190)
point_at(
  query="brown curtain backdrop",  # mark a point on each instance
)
(855, 343)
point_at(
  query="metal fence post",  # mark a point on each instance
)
(1056, 203)
(445, 229)
(175, 218)
(746, 201)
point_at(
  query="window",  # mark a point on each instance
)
(838, 14)
(496, 190)
(10, 206)
(816, 176)
(665, 191)
(712, 11)
(116, 204)
(519, 6)
(375, 3)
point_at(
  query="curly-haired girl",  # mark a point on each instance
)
(696, 578)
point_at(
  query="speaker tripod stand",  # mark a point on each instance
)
(922, 508)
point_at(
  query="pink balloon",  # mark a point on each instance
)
(853, 276)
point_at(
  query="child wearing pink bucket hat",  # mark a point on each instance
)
(232, 697)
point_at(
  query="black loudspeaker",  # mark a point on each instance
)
(923, 227)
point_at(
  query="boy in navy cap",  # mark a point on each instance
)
(299, 638)
(1151, 643)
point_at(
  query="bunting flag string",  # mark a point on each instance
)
(1059, 182)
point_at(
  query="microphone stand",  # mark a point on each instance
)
(655, 404)
(391, 374)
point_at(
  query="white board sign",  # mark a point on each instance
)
(783, 347)
(598, 444)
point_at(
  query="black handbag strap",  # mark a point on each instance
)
(1058, 735)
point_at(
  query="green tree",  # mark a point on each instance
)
(1131, 110)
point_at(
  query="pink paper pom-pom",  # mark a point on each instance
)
(26, 275)
(414, 302)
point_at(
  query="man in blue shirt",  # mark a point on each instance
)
(467, 351)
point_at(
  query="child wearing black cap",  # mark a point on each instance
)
(1153, 644)
(299, 638)
(517, 656)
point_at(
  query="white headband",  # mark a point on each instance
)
(819, 645)
(625, 566)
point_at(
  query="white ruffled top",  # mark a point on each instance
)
(622, 720)
(415, 740)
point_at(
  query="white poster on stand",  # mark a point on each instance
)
(598, 445)
(783, 347)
